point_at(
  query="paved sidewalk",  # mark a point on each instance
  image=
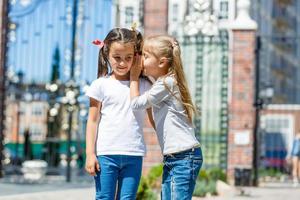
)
(270, 191)
(66, 194)
(85, 191)
(14, 188)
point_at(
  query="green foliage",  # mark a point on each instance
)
(144, 191)
(55, 75)
(203, 175)
(206, 181)
(212, 174)
(150, 182)
(217, 174)
(270, 172)
(204, 187)
(155, 175)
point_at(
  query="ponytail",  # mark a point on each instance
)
(168, 47)
(177, 70)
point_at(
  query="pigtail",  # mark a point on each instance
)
(138, 39)
(102, 62)
(139, 43)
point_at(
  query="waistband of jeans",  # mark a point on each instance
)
(190, 150)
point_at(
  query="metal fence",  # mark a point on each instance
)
(50, 55)
(206, 65)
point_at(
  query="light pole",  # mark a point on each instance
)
(54, 124)
(71, 92)
(70, 100)
(261, 95)
(3, 48)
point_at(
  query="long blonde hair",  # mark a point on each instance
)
(168, 47)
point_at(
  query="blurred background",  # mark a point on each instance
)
(241, 59)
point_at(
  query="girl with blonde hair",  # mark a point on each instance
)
(173, 112)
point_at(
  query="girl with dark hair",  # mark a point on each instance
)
(114, 136)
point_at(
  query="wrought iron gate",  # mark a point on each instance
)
(206, 65)
(48, 53)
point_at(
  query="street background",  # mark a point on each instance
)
(242, 63)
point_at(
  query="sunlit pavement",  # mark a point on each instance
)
(76, 193)
(270, 191)
(51, 187)
(82, 190)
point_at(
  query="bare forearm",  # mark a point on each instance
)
(91, 137)
(134, 87)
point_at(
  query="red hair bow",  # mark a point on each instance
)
(99, 43)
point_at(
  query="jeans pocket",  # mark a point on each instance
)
(197, 163)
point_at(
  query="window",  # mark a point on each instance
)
(37, 110)
(223, 13)
(128, 15)
(175, 13)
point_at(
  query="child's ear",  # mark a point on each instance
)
(163, 62)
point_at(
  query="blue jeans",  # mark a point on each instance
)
(122, 170)
(180, 173)
(296, 148)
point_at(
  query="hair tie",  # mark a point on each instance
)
(174, 44)
(133, 26)
(98, 43)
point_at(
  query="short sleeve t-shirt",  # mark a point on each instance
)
(120, 130)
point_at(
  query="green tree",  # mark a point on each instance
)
(55, 66)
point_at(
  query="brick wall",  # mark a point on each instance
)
(155, 17)
(155, 22)
(241, 110)
(153, 156)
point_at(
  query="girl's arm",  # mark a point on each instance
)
(91, 164)
(158, 93)
(135, 72)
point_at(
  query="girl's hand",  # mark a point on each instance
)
(136, 68)
(91, 164)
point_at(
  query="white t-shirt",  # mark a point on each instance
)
(120, 130)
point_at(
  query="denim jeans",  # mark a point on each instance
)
(180, 172)
(122, 170)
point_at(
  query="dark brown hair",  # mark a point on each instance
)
(123, 35)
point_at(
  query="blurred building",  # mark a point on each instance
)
(36, 30)
(279, 124)
(155, 17)
(129, 12)
(279, 53)
(178, 10)
(26, 111)
(278, 57)
(32, 117)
